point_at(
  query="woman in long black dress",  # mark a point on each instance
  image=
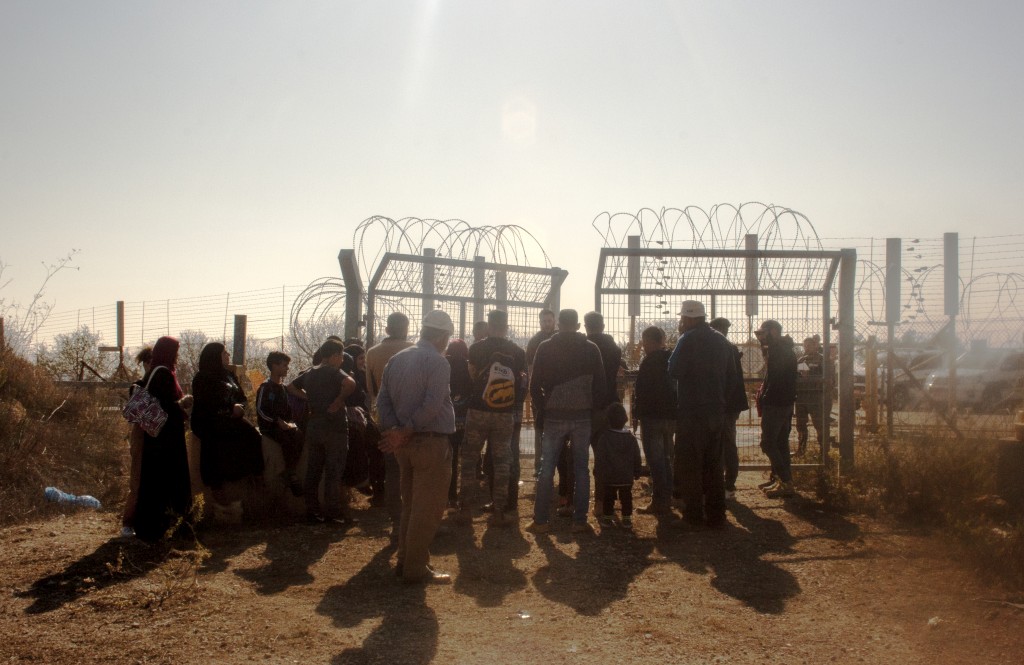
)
(165, 492)
(231, 447)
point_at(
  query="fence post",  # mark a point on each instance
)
(479, 290)
(893, 314)
(750, 272)
(238, 343)
(353, 294)
(3, 340)
(429, 272)
(847, 286)
(951, 306)
(871, 384)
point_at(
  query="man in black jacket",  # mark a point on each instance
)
(702, 364)
(566, 386)
(654, 407)
(737, 404)
(775, 402)
(611, 359)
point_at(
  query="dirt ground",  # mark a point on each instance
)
(784, 583)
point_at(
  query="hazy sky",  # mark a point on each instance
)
(189, 148)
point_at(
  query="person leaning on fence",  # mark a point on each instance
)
(567, 383)
(654, 408)
(775, 404)
(377, 358)
(230, 447)
(703, 366)
(274, 417)
(417, 418)
(810, 391)
(325, 388)
(737, 404)
(165, 491)
(497, 365)
(616, 466)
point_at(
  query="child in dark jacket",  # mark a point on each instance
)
(616, 465)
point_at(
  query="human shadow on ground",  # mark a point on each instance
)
(734, 557)
(831, 525)
(408, 629)
(487, 572)
(600, 574)
(115, 561)
(290, 552)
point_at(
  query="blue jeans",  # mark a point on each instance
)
(776, 424)
(554, 438)
(657, 440)
(326, 448)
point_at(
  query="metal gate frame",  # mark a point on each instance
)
(482, 272)
(842, 263)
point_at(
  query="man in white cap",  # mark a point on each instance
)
(416, 416)
(702, 364)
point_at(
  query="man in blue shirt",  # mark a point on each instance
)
(416, 416)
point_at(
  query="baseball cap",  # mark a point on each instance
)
(692, 309)
(440, 320)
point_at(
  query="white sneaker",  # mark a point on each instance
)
(730, 495)
(127, 532)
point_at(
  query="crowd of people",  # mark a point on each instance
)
(433, 425)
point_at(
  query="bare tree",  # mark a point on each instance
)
(191, 343)
(76, 356)
(306, 337)
(23, 321)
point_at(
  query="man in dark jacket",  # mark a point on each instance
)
(654, 407)
(566, 385)
(737, 405)
(611, 360)
(702, 364)
(775, 402)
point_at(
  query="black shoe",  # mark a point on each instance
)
(294, 485)
(487, 508)
(768, 483)
(343, 520)
(364, 489)
(314, 518)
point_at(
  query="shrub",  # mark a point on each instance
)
(938, 483)
(64, 437)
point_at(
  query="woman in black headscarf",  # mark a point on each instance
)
(231, 446)
(165, 492)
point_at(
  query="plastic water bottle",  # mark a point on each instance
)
(56, 496)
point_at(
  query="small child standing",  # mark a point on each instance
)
(616, 465)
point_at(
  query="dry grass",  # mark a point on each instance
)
(936, 483)
(56, 436)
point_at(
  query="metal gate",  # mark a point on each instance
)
(639, 286)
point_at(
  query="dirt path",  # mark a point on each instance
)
(784, 583)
